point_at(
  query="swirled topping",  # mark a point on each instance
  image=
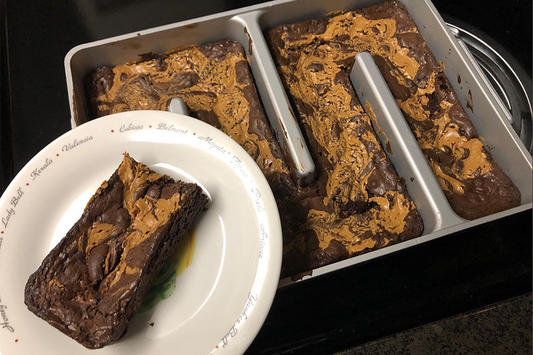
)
(364, 205)
(212, 81)
(358, 232)
(465, 157)
(93, 281)
(146, 213)
(359, 34)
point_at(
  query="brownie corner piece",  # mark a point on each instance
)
(91, 284)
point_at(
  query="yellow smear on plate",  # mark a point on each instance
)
(185, 253)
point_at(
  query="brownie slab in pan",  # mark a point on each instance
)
(349, 109)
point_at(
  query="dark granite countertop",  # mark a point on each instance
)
(481, 267)
(501, 328)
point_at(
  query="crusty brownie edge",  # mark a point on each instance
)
(63, 307)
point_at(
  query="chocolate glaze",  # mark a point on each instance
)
(250, 42)
(473, 182)
(91, 284)
(470, 101)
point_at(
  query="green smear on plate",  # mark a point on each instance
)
(165, 281)
(163, 287)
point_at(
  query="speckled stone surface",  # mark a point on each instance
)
(503, 328)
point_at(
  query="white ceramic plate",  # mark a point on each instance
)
(220, 301)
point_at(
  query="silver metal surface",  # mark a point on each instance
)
(275, 101)
(490, 114)
(509, 80)
(178, 106)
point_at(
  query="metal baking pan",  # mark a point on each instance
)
(249, 25)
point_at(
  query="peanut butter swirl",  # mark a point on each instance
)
(468, 158)
(93, 282)
(365, 205)
(314, 58)
(358, 232)
(213, 83)
(335, 125)
(146, 214)
(359, 34)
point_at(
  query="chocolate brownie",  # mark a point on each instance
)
(314, 58)
(92, 283)
(215, 83)
(358, 203)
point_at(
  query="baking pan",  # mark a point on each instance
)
(249, 25)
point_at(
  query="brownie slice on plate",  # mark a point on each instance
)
(92, 283)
